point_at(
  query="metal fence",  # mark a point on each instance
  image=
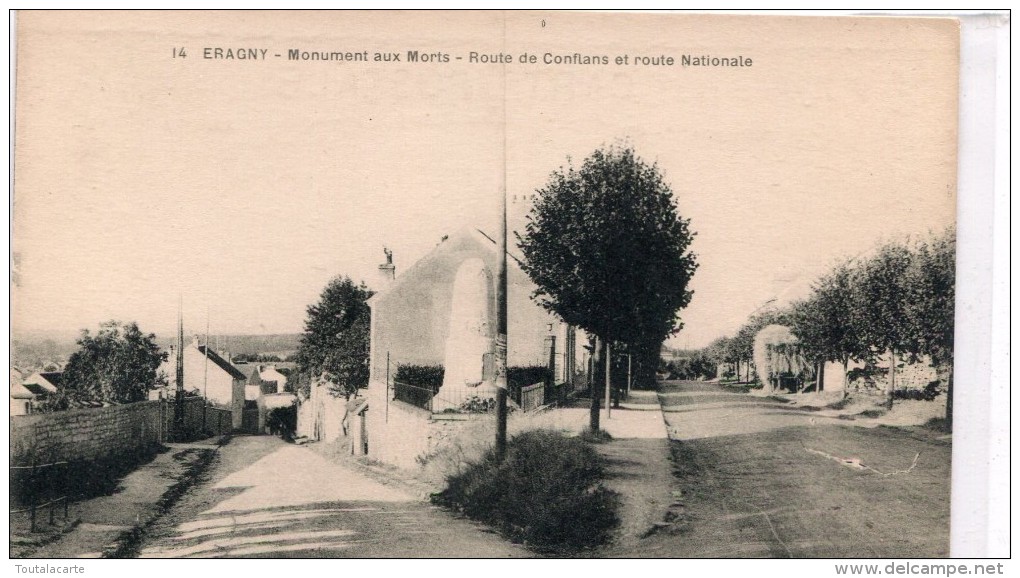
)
(413, 395)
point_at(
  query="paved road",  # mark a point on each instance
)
(756, 478)
(266, 498)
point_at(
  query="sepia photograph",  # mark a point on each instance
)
(483, 284)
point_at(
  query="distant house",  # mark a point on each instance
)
(30, 391)
(21, 399)
(210, 375)
(49, 381)
(264, 379)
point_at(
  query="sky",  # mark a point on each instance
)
(242, 187)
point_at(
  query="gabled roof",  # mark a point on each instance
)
(49, 380)
(222, 363)
(54, 377)
(34, 389)
(23, 392)
(460, 238)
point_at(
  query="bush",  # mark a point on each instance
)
(547, 493)
(929, 393)
(523, 376)
(282, 421)
(428, 376)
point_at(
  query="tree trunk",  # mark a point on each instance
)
(891, 386)
(820, 377)
(593, 386)
(846, 378)
(609, 365)
(949, 400)
(736, 375)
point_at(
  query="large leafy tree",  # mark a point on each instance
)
(929, 306)
(721, 351)
(883, 295)
(334, 346)
(608, 251)
(119, 364)
(829, 322)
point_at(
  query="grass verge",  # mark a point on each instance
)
(546, 494)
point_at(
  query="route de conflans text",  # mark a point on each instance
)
(415, 56)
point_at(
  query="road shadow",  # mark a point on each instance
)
(279, 500)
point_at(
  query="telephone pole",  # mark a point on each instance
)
(205, 378)
(179, 366)
(501, 339)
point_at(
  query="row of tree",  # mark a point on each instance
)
(897, 302)
(900, 301)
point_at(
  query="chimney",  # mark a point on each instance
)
(387, 271)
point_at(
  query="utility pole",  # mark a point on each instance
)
(501, 339)
(205, 378)
(179, 363)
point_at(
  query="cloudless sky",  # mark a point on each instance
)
(244, 186)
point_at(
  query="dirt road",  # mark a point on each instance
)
(756, 478)
(265, 498)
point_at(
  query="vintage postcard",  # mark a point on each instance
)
(482, 285)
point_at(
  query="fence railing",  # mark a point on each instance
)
(470, 399)
(532, 396)
(40, 486)
(413, 395)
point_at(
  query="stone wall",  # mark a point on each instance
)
(93, 433)
(400, 433)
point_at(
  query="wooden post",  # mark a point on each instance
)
(35, 485)
(387, 419)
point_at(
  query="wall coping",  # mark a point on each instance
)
(460, 416)
(81, 411)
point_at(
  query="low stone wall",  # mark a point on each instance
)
(87, 434)
(93, 433)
